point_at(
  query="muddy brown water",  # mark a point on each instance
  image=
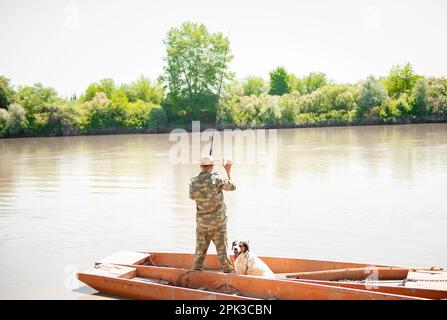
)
(364, 194)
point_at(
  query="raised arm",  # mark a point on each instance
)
(227, 184)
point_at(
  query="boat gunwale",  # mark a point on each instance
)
(88, 276)
(262, 257)
(236, 277)
(378, 287)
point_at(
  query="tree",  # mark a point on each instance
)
(314, 81)
(254, 86)
(103, 114)
(194, 63)
(143, 89)
(371, 94)
(296, 84)
(401, 79)
(36, 99)
(279, 82)
(7, 93)
(419, 96)
(106, 85)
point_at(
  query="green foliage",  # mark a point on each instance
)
(400, 80)
(7, 94)
(279, 82)
(389, 110)
(194, 63)
(296, 84)
(36, 99)
(63, 119)
(4, 119)
(119, 97)
(254, 86)
(101, 113)
(437, 96)
(314, 81)
(371, 94)
(16, 120)
(329, 97)
(289, 106)
(142, 114)
(419, 96)
(143, 89)
(107, 86)
(192, 77)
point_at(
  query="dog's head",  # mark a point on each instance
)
(239, 247)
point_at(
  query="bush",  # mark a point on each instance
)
(143, 89)
(269, 113)
(107, 86)
(371, 94)
(157, 117)
(16, 119)
(314, 81)
(102, 114)
(144, 115)
(249, 108)
(306, 119)
(296, 84)
(4, 119)
(63, 119)
(436, 102)
(289, 106)
(312, 103)
(254, 86)
(388, 111)
(36, 99)
(419, 96)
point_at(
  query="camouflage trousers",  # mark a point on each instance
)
(219, 237)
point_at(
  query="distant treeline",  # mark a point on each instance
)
(187, 91)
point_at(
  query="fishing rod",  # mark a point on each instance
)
(219, 90)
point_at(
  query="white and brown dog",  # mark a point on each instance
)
(247, 263)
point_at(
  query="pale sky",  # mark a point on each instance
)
(69, 44)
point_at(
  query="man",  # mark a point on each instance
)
(206, 189)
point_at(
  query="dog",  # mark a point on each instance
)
(247, 263)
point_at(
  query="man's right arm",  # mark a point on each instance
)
(191, 196)
(227, 184)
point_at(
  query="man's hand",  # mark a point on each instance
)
(227, 165)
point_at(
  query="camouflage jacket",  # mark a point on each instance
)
(206, 190)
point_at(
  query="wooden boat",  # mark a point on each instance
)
(160, 275)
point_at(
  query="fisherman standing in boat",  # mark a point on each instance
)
(206, 189)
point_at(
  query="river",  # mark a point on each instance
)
(364, 194)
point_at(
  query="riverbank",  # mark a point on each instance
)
(143, 107)
(207, 126)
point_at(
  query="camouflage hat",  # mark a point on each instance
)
(207, 161)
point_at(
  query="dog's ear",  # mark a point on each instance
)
(234, 242)
(246, 246)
